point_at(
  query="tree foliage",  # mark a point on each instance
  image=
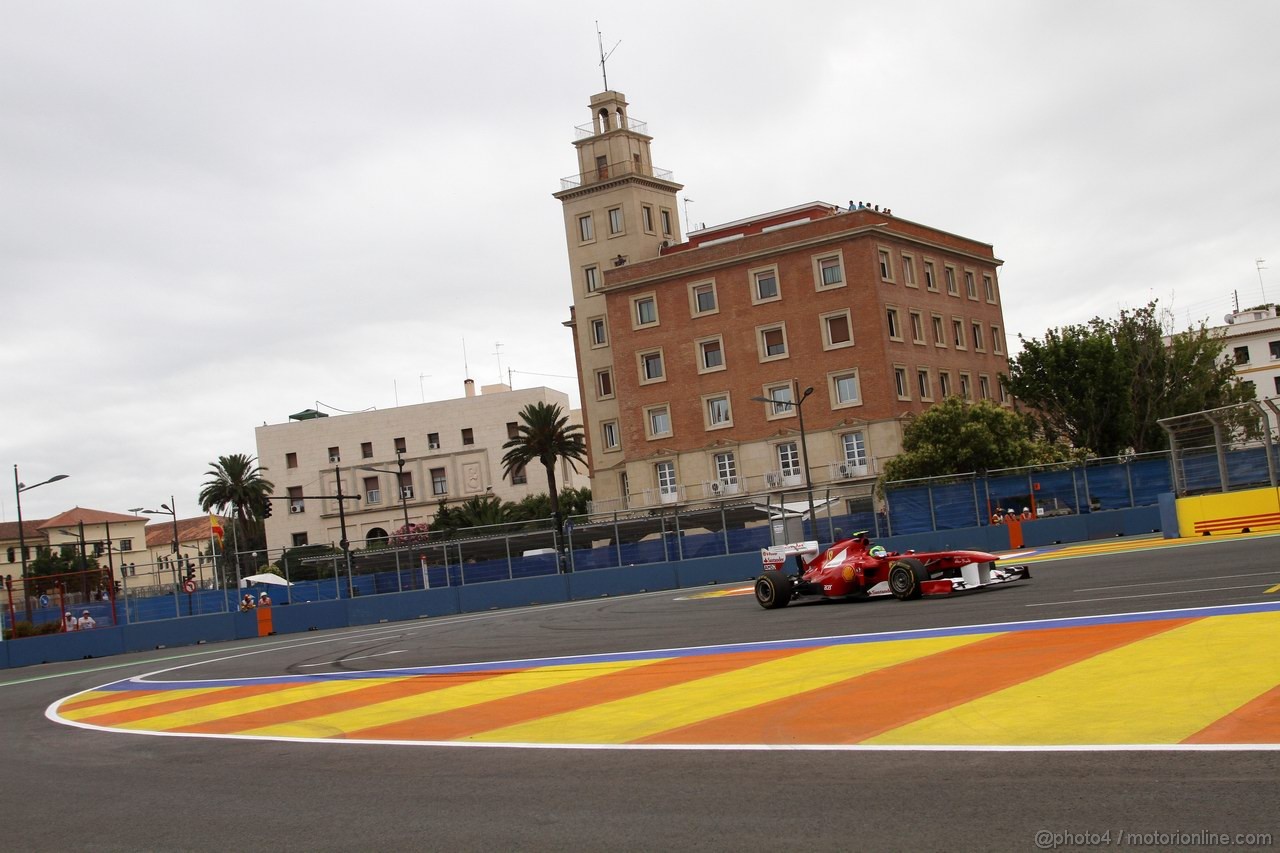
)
(544, 434)
(956, 437)
(1105, 384)
(236, 483)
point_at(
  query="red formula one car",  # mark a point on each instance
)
(856, 568)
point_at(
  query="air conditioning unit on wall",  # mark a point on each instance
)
(295, 507)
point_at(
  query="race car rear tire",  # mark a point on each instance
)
(773, 590)
(905, 576)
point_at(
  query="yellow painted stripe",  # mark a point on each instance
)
(1160, 690)
(658, 711)
(128, 701)
(1275, 588)
(446, 699)
(249, 704)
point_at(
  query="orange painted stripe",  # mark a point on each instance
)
(155, 709)
(862, 707)
(1254, 722)
(105, 698)
(461, 723)
(1233, 521)
(348, 701)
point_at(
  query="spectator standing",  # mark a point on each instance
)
(85, 622)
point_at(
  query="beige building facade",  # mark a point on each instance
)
(451, 450)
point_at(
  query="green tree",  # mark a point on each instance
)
(545, 435)
(956, 437)
(1105, 384)
(236, 483)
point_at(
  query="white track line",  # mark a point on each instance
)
(1142, 595)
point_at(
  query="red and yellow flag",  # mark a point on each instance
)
(215, 527)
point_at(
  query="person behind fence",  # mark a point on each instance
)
(85, 622)
(1027, 515)
(69, 622)
(246, 603)
(997, 517)
(264, 600)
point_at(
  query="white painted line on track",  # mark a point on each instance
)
(360, 657)
(1183, 580)
(1143, 595)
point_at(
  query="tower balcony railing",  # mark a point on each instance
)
(588, 130)
(611, 171)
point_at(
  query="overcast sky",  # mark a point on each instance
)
(214, 214)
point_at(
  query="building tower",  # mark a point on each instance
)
(618, 209)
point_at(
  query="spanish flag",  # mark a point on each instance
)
(215, 528)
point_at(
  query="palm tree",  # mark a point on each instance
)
(236, 482)
(547, 436)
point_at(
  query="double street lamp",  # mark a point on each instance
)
(798, 405)
(167, 509)
(18, 488)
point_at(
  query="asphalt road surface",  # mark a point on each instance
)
(65, 788)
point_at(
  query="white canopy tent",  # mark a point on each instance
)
(265, 577)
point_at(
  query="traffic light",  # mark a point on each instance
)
(191, 571)
(266, 508)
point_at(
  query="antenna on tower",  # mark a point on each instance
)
(688, 223)
(466, 370)
(604, 56)
(1258, 262)
(497, 350)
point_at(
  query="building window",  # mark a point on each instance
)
(711, 354)
(468, 437)
(296, 503)
(909, 271)
(950, 273)
(366, 450)
(372, 494)
(405, 481)
(939, 339)
(599, 332)
(886, 268)
(399, 445)
(989, 286)
(291, 460)
(513, 429)
(650, 367)
(125, 545)
(433, 441)
(591, 278)
(716, 409)
(944, 383)
(844, 389)
(519, 476)
(957, 332)
(900, 383)
(335, 454)
(966, 386)
(923, 384)
(1275, 350)
(828, 272)
(836, 330)
(997, 341)
(646, 215)
(1277, 379)
(970, 289)
(764, 285)
(666, 222)
(609, 434)
(984, 387)
(1242, 355)
(299, 539)
(702, 298)
(930, 280)
(665, 474)
(917, 327)
(789, 459)
(854, 446)
(978, 345)
(772, 342)
(615, 220)
(644, 310)
(783, 397)
(439, 483)
(586, 232)
(895, 329)
(726, 468)
(604, 384)
(658, 421)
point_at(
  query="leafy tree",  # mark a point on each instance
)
(302, 564)
(1104, 385)
(572, 502)
(58, 561)
(956, 437)
(236, 482)
(545, 435)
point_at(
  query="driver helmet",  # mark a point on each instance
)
(878, 551)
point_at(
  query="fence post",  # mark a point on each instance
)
(506, 539)
(1128, 476)
(933, 516)
(617, 538)
(679, 544)
(724, 528)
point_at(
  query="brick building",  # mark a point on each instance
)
(682, 345)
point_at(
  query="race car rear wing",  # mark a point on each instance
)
(776, 555)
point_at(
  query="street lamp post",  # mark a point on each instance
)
(404, 500)
(798, 405)
(168, 509)
(18, 489)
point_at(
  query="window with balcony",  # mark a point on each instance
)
(665, 475)
(854, 447)
(789, 459)
(726, 468)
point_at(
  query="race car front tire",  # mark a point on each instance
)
(773, 590)
(905, 576)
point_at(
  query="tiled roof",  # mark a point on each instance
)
(189, 530)
(88, 516)
(30, 529)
